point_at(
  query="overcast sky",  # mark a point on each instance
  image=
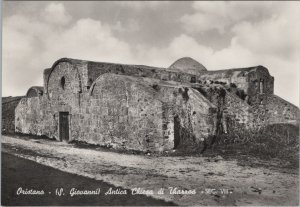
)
(219, 35)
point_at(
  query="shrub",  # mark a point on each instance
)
(273, 141)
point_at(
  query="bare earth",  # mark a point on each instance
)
(249, 186)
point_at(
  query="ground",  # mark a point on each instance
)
(21, 172)
(215, 180)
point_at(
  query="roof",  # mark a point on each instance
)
(148, 83)
(193, 64)
(248, 69)
(77, 61)
(70, 60)
(185, 65)
(37, 89)
(47, 71)
(188, 65)
(237, 71)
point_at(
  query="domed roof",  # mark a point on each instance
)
(188, 65)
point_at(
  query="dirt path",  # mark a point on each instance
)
(215, 183)
(19, 172)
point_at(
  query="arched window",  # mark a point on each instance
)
(62, 83)
(89, 84)
(261, 86)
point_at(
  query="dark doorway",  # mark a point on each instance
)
(176, 131)
(64, 126)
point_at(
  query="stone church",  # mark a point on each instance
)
(147, 108)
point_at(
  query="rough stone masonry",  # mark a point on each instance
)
(144, 108)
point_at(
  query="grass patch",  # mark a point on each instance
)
(274, 142)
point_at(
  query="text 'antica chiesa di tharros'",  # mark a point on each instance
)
(148, 108)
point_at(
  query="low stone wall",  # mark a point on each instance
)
(33, 116)
(9, 105)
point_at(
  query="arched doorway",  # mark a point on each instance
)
(64, 126)
(177, 129)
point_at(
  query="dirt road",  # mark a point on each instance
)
(215, 181)
(21, 173)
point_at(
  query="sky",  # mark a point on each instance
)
(219, 35)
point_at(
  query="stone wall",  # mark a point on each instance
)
(76, 70)
(35, 91)
(249, 81)
(63, 93)
(32, 93)
(233, 113)
(8, 113)
(96, 69)
(150, 109)
(89, 71)
(238, 112)
(188, 117)
(46, 74)
(279, 110)
(31, 117)
(64, 84)
(261, 85)
(119, 111)
(255, 82)
(231, 76)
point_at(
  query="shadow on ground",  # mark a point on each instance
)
(19, 172)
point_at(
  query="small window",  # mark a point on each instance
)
(89, 84)
(193, 79)
(62, 83)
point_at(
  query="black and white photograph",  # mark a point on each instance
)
(150, 103)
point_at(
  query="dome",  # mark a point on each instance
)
(188, 65)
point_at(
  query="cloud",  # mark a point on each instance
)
(268, 37)
(141, 4)
(277, 35)
(32, 44)
(131, 25)
(221, 15)
(180, 46)
(88, 39)
(55, 13)
(263, 33)
(236, 55)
